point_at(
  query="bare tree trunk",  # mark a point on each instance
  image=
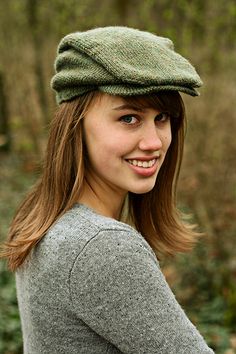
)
(122, 9)
(4, 119)
(32, 15)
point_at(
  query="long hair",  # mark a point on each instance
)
(59, 186)
(154, 214)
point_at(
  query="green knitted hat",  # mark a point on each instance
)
(120, 61)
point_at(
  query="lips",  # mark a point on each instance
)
(144, 161)
(143, 164)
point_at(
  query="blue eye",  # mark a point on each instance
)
(162, 117)
(129, 119)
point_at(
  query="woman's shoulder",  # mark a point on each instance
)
(81, 225)
(85, 218)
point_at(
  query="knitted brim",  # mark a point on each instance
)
(120, 61)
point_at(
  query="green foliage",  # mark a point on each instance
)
(10, 331)
(206, 289)
(14, 181)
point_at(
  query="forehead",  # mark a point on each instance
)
(106, 102)
(169, 101)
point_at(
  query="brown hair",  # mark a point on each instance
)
(154, 214)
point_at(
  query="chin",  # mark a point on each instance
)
(142, 190)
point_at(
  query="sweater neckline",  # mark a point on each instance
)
(90, 210)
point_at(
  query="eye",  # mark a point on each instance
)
(162, 117)
(129, 119)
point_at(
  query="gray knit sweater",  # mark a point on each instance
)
(93, 286)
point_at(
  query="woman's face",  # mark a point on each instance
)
(126, 147)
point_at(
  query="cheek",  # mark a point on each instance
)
(114, 149)
(167, 138)
(102, 149)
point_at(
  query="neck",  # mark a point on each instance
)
(103, 200)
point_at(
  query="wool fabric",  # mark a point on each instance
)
(119, 60)
(93, 285)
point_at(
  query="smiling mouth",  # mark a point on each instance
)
(143, 164)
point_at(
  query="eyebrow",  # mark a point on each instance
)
(128, 106)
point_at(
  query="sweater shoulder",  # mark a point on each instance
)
(79, 226)
(83, 219)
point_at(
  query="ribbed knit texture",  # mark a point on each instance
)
(120, 61)
(94, 286)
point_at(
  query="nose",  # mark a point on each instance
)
(150, 139)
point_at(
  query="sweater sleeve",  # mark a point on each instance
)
(118, 290)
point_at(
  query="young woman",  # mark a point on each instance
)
(85, 242)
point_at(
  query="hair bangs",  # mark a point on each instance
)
(170, 101)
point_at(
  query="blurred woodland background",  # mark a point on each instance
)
(205, 32)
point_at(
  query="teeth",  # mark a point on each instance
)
(144, 164)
